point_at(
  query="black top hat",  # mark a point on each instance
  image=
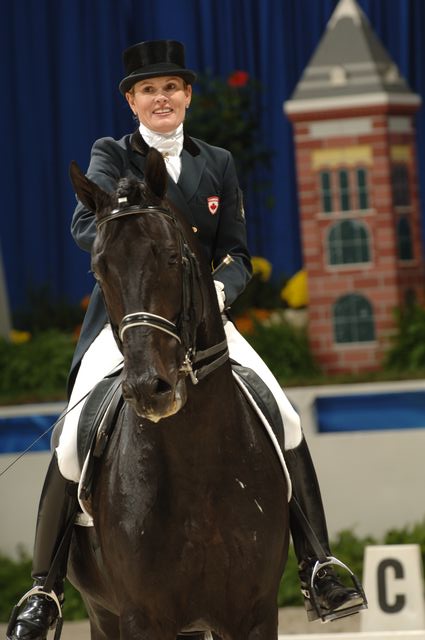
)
(152, 59)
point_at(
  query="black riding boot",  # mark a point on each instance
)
(58, 504)
(325, 596)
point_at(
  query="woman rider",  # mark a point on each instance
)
(202, 183)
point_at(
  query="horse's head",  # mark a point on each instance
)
(149, 277)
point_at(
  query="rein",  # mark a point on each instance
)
(186, 336)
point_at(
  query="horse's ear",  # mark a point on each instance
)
(87, 191)
(156, 173)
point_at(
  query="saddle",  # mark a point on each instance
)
(263, 398)
(101, 409)
(96, 423)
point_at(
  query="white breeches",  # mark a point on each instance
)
(103, 356)
(241, 351)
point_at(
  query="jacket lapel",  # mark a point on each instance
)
(191, 174)
(193, 165)
(139, 150)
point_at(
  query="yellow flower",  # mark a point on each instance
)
(295, 292)
(19, 337)
(261, 267)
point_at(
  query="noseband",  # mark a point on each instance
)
(191, 276)
(148, 320)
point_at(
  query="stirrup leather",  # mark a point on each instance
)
(37, 590)
(327, 616)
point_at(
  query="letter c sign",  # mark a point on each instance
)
(389, 569)
(393, 583)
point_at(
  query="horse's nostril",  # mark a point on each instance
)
(162, 386)
(136, 390)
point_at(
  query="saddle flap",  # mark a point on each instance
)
(96, 423)
(264, 399)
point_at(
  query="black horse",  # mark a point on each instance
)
(190, 501)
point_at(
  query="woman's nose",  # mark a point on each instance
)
(160, 96)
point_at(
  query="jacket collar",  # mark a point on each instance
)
(192, 166)
(139, 145)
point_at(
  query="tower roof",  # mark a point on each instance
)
(350, 67)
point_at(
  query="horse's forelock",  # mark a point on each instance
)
(131, 189)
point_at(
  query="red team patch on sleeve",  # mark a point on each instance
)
(213, 203)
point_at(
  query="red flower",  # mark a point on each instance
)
(238, 79)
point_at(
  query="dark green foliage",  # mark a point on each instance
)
(15, 580)
(414, 534)
(259, 295)
(43, 312)
(346, 547)
(37, 369)
(289, 591)
(285, 349)
(225, 113)
(407, 353)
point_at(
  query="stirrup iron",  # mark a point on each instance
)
(339, 613)
(37, 590)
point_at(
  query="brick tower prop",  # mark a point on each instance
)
(354, 129)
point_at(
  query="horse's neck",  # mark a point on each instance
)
(211, 331)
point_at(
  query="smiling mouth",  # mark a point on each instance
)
(162, 112)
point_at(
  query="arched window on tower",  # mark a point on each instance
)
(404, 240)
(353, 319)
(348, 243)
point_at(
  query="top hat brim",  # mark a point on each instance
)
(156, 71)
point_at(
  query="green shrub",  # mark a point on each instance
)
(15, 580)
(259, 294)
(43, 311)
(285, 349)
(346, 547)
(407, 353)
(38, 368)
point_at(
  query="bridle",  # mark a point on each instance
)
(185, 333)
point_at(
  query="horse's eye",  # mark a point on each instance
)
(173, 258)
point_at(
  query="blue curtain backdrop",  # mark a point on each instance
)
(60, 67)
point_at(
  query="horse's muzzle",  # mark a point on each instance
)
(154, 398)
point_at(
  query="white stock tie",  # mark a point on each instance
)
(169, 144)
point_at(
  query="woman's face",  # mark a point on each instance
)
(160, 103)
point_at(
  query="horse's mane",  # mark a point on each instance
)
(153, 189)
